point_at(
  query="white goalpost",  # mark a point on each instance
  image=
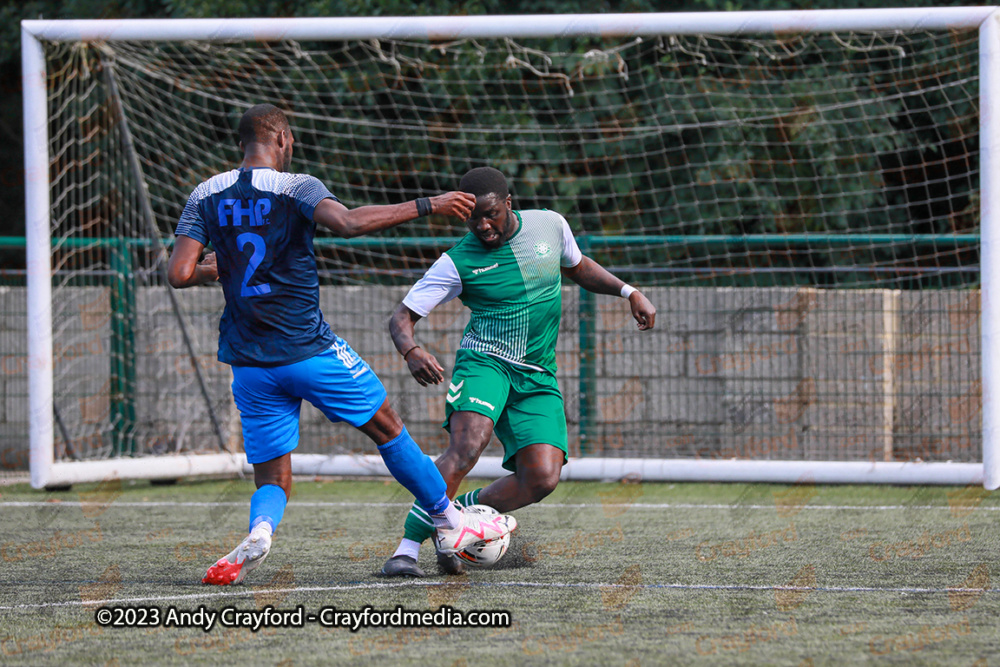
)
(809, 196)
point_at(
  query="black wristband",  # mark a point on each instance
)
(423, 207)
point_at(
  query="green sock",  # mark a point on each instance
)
(418, 526)
(468, 498)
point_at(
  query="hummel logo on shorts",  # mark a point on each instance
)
(480, 402)
(454, 391)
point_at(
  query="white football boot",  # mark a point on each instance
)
(472, 528)
(234, 567)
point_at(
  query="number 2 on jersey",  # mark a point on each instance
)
(259, 250)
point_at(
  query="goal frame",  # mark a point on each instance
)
(46, 472)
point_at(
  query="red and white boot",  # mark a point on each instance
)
(234, 567)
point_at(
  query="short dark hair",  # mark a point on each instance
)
(261, 123)
(484, 181)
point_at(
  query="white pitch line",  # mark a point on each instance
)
(609, 505)
(511, 584)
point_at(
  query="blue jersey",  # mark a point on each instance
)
(260, 224)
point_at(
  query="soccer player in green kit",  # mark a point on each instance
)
(507, 270)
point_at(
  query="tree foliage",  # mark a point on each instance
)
(792, 145)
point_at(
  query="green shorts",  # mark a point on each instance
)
(526, 406)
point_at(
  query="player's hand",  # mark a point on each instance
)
(456, 204)
(642, 310)
(424, 367)
(208, 270)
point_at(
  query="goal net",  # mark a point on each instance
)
(803, 210)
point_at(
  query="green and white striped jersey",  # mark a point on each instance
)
(512, 291)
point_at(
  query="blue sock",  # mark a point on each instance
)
(267, 504)
(416, 472)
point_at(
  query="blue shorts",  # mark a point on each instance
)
(337, 381)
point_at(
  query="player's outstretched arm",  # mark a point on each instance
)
(593, 277)
(424, 367)
(184, 268)
(347, 223)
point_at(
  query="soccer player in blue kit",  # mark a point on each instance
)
(261, 220)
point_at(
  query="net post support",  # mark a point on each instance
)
(587, 305)
(38, 257)
(989, 137)
(161, 254)
(123, 375)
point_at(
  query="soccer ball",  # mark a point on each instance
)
(484, 554)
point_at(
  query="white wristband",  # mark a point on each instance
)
(627, 290)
